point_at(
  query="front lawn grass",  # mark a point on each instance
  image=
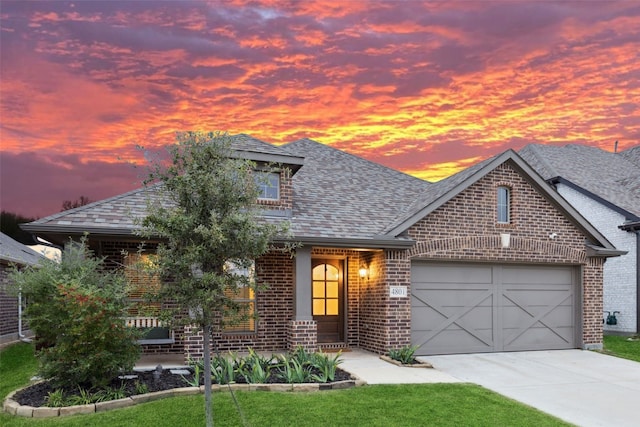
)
(621, 347)
(17, 365)
(376, 405)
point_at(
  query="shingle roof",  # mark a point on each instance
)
(115, 214)
(632, 155)
(336, 196)
(332, 193)
(612, 177)
(16, 252)
(434, 192)
(340, 195)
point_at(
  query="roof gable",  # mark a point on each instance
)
(443, 191)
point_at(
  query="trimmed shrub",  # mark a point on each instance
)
(76, 310)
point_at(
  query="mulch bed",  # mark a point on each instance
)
(35, 395)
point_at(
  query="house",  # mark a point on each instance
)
(605, 188)
(12, 253)
(490, 259)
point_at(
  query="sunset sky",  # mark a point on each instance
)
(424, 87)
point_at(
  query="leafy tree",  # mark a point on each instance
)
(77, 310)
(208, 217)
(71, 204)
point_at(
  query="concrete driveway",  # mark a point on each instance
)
(582, 387)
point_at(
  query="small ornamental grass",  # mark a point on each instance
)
(296, 367)
(404, 355)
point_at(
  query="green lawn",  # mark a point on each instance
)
(379, 405)
(622, 347)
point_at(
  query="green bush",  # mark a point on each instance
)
(76, 310)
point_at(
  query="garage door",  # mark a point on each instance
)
(469, 308)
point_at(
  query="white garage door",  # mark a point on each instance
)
(469, 308)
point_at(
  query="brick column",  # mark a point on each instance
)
(303, 333)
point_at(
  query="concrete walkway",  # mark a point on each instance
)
(582, 387)
(373, 370)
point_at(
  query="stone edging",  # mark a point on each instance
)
(12, 407)
(407, 365)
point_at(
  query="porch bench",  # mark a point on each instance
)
(156, 333)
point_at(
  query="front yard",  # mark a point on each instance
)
(380, 405)
(622, 347)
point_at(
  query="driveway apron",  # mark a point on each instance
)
(582, 387)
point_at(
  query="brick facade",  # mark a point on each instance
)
(464, 228)
(8, 308)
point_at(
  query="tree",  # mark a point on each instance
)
(68, 204)
(208, 219)
(76, 309)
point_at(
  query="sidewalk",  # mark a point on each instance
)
(373, 370)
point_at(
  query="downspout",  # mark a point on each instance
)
(21, 336)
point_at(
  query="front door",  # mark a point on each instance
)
(327, 292)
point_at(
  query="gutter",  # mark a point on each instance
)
(358, 243)
(599, 251)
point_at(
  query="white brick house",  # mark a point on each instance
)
(605, 188)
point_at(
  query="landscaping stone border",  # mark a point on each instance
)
(12, 407)
(407, 365)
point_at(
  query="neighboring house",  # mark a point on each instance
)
(605, 188)
(12, 253)
(468, 264)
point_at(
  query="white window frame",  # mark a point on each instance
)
(268, 185)
(503, 204)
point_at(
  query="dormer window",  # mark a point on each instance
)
(268, 185)
(504, 205)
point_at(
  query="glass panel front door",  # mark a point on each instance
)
(327, 282)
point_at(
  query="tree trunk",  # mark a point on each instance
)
(208, 404)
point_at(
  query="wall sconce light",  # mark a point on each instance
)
(364, 271)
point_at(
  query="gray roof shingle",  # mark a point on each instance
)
(16, 252)
(333, 191)
(610, 176)
(340, 195)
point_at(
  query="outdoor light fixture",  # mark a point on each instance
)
(364, 271)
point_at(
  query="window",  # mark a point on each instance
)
(504, 205)
(244, 320)
(268, 185)
(141, 283)
(142, 313)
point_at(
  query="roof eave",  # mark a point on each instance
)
(599, 251)
(377, 242)
(630, 226)
(294, 162)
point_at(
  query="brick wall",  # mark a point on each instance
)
(466, 228)
(8, 308)
(274, 304)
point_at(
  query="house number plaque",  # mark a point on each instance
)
(397, 291)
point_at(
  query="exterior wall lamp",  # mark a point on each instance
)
(364, 271)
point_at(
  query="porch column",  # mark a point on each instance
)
(304, 330)
(302, 289)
